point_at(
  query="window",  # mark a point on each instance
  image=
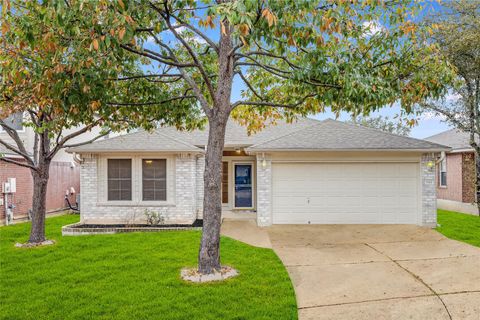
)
(443, 173)
(154, 179)
(225, 182)
(15, 121)
(119, 179)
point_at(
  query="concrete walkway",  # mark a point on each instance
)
(379, 272)
(246, 231)
(372, 271)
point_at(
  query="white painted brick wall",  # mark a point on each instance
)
(200, 169)
(429, 193)
(264, 192)
(181, 209)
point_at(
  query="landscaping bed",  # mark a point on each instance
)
(77, 229)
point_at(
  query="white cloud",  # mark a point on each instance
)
(432, 115)
(372, 27)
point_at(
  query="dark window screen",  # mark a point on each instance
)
(154, 176)
(119, 179)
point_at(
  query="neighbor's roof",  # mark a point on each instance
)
(339, 136)
(454, 138)
(140, 141)
(302, 135)
(5, 151)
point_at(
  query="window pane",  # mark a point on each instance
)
(154, 179)
(225, 182)
(119, 179)
(15, 121)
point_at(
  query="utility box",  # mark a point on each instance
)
(13, 184)
(10, 186)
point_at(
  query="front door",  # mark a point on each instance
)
(243, 185)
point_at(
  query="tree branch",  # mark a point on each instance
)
(21, 164)
(86, 142)
(273, 104)
(120, 104)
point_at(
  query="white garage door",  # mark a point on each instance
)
(345, 193)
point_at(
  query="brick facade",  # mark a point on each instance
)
(181, 206)
(62, 177)
(460, 178)
(264, 192)
(187, 201)
(453, 189)
(429, 194)
(468, 177)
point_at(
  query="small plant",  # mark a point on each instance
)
(154, 218)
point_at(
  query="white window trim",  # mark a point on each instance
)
(440, 184)
(131, 180)
(137, 182)
(254, 187)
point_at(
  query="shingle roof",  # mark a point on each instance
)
(140, 141)
(454, 138)
(335, 135)
(236, 135)
(304, 134)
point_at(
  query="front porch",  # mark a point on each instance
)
(239, 185)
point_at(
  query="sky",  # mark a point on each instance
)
(428, 124)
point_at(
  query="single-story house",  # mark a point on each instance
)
(456, 173)
(307, 172)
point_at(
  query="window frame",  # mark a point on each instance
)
(442, 172)
(132, 177)
(19, 131)
(137, 187)
(142, 194)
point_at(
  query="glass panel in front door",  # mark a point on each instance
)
(243, 186)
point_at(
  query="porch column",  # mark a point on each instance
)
(264, 191)
(429, 190)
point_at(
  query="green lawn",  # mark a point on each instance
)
(135, 276)
(459, 226)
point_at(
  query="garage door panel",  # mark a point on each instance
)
(345, 193)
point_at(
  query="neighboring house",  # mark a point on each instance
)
(307, 172)
(64, 175)
(456, 173)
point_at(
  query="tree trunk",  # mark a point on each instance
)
(39, 202)
(209, 254)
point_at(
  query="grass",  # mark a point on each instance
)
(459, 226)
(135, 276)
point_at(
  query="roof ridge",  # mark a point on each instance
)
(388, 133)
(290, 133)
(444, 132)
(176, 140)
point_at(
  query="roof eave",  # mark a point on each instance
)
(80, 151)
(252, 150)
(461, 150)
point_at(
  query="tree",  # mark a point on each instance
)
(456, 31)
(53, 71)
(401, 126)
(294, 58)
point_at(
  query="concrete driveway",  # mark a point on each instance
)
(372, 271)
(378, 272)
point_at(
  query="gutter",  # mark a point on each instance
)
(250, 150)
